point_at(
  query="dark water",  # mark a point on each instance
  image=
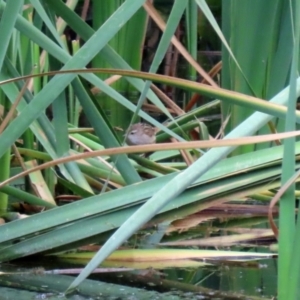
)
(252, 280)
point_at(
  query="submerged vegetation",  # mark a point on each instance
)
(219, 82)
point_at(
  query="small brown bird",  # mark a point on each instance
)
(140, 134)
